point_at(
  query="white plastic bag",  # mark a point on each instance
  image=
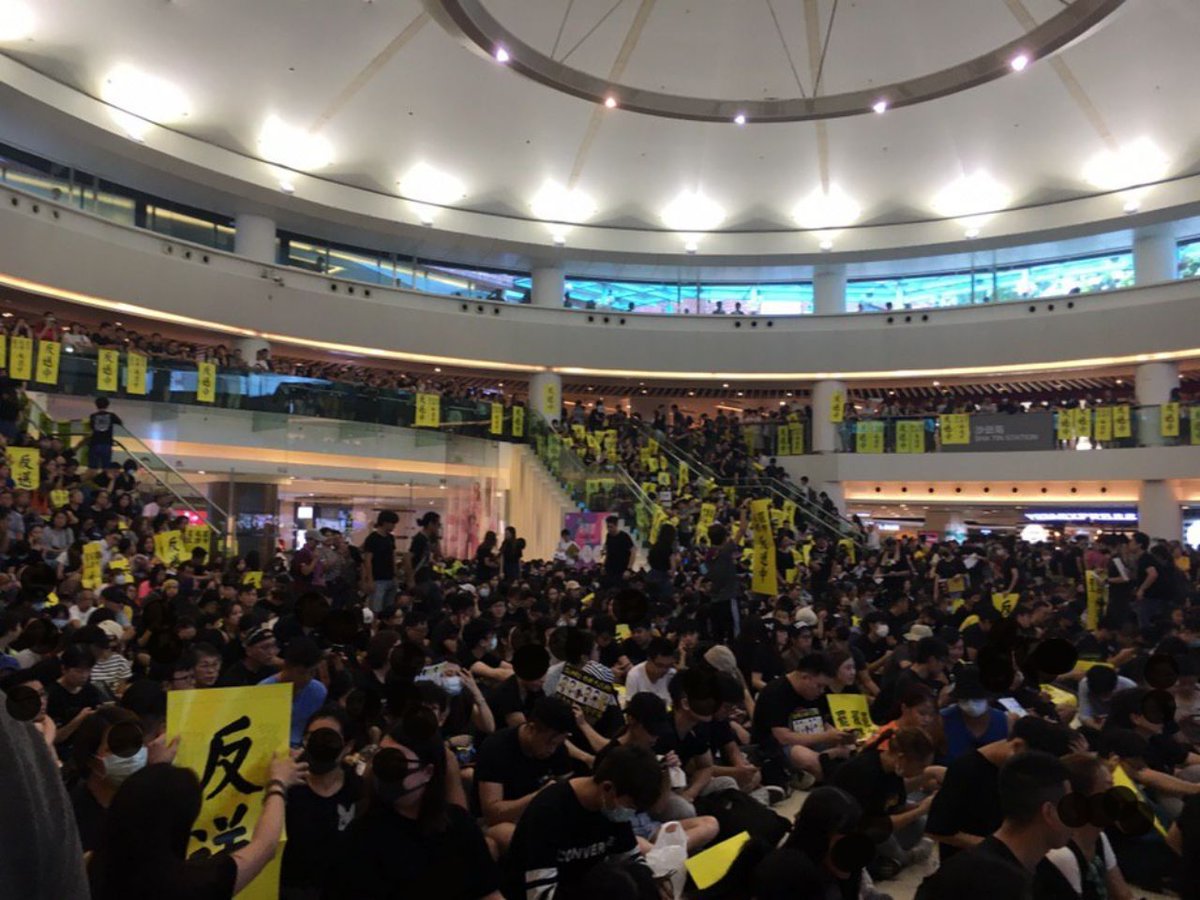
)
(669, 855)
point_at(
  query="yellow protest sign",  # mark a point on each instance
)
(551, 406)
(837, 407)
(1005, 603)
(1064, 425)
(868, 437)
(197, 536)
(168, 546)
(1168, 419)
(92, 574)
(684, 473)
(1122, 422)
(48, 354)
(708, 515)
(764, 578)
(108, 365)
(253, 578)
(656, 522)
(20, 363)
(518, 423)
(1059, 697)
(789, 513)
(1104, 424)
(610, 442)
(850, 712)
(497, 423)
(955, 428)
(1081, 423)
(26, 467)
(797, 430)
(135, 373)
(1121, 779)
(429, 411)
(206, 382)
(1194, 420)
(1095, 598)
(59, 498)
(709, 866)
(227, 737)
(664, 479)
(622, 631)
(579, 433)
(783, 441)
(910, 436)
(3, 350)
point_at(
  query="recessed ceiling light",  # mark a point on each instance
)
(502, 55)
(691, 247)
(610, 102)
(880, 107)
(16, 20)
(138, 100)
(559, 240)
(293, 147)
(972, 232)
(287, 186)
(739, 119)
(826, 245)
(1019, 62)
(1132, 206)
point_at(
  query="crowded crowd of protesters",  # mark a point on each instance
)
(500, 727)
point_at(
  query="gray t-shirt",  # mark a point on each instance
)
(1093, 707)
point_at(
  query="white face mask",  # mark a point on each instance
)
(973, 708)
(118, 768)
(485, 592)
(882, 630)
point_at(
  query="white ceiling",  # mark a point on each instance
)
(335, 64)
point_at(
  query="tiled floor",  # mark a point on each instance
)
(905, 886)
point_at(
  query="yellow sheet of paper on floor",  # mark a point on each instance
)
(711, 865)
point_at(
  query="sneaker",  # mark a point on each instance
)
(921, 852)
(803, 781)
(776, 794)
(867, 890)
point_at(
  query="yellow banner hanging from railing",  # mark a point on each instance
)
(1104, 424)
(429, 411)
(206, 382)
(868, 437)
(3, 350)
(910, 436)
(1168, 417)
(1122, 422)
(108, 366)
(497, 424)
(1064, 425)
(837, 407)
(227, 737)
(783, 441)
(48, 354)
(1194, 422)
(135, 373)
(797, 441)
(26, 467)
(20, 363)
(518, 423)
(955, 428)
(1081, 424)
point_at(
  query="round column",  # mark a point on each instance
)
(545, 395)
(1159, 514)
(1153, 383)
(549, 287)
(826, 434)
(254, 237)
(1155, 255)
(829, 290)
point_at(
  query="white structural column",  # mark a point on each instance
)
(549, 287)
(1153, 383)
(545, 395)
(825, 433)
(1155, 255)
(254, 237)
(829, 290)
(1159, 514)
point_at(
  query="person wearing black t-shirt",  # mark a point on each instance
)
(513, 701)
(617, 553)
(516, 763)
(477, 652)
(411, 842)
(572, 826)
(790, 727)
(100, 440)
(379, 558)
(423, 552)
(967, 808)
(1152, 585)
(321, 810)
(1003, 864)
(73, 697)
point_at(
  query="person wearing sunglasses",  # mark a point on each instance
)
(410, 842)
(320, 810)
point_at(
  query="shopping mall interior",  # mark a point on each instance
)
(910, 274)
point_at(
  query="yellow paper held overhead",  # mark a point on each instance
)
(711, 865)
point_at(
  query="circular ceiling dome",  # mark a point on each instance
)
(395, 117)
